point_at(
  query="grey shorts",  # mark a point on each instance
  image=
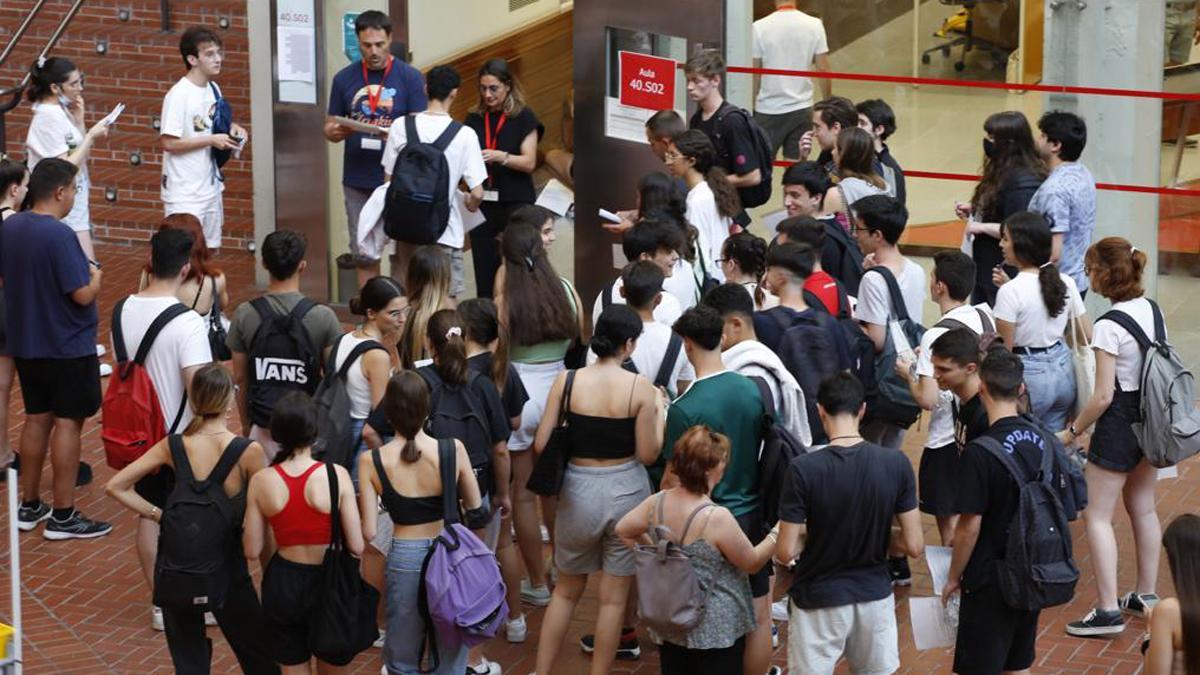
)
(1180, 27)
(785, 130)
(592, 500)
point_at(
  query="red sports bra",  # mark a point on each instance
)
(298, 523)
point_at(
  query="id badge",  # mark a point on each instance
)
(491, 195)
(369, 143)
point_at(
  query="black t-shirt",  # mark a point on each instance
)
(988, 489)
(514, 395)
(514, 186)
(885, 159)
(970, 421)
(1014, 195)
(848, 498)
(735, 145)
(482, 390)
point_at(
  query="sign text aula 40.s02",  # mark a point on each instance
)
(647, 81)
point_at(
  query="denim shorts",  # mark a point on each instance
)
(1050, 381)
(405, 631)
(1114, 447)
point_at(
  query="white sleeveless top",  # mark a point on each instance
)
(357, 385)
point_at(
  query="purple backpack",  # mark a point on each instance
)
(463, 602)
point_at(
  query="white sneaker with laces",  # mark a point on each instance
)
(105, 370)
(516, 630)
(779, 610)
(156, 619)
(100, 350)
(484, 667)
(545, 534)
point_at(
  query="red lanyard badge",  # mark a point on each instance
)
(490, 139)
(373, 99)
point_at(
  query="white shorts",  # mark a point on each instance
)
(210, 213)
(865, 633)
(538, 378)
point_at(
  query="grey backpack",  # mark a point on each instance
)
(1169, 429)
(671, 599)
(337, 441)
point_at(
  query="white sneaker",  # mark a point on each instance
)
(105, 370)
(100, 350)
(484, 667)
(156, 619)
(516, 630)
(779, 610)
(209, 619)
(378, 644)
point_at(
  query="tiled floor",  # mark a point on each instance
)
(86, 607)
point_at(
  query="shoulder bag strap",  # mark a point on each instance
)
(447, 456)
(656, 515)
(335, 519)
(160, 322)
(845, 205)
(199, 290)
(215, 312)
(566, 398)
(663, 377)
(692, 516)
(118, 336)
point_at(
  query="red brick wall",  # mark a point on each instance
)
(141, 64)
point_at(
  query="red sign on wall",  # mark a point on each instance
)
(647, 81)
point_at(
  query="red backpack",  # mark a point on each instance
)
(132, 420)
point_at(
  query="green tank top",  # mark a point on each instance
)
(550, 351)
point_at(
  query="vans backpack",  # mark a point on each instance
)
(336, 441)
(132, 419)
(463, 603)
(755, 195)
(1038, 569)
(282, 358)
(417, 207)
(890, 400)
(1168, 430)
(199, 535)
(810, 354)
(457, 413)
(779, 448)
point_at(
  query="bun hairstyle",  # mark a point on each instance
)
(209, 396)
(406, 406)
(445, 333)
(617, 325)
(52, 71)
(293, 424)
(1032, 245)
(695, 145)
(376, 294)
(1116, 268)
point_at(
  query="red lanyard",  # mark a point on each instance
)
(780, 8)
(490, 140)
(373, 99)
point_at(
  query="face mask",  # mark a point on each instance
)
(989, 148)
(64, 101)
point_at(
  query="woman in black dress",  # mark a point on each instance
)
(508, 132)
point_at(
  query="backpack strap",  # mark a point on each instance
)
(118, 335)
(605, 298)
(663, 377)
(359, 349)
(899, 309)
(447, 456)
(952, 324)
(768, 401)
(843, 300)
(160, 322)
(410, 129)
(692, 516)
(183, 468)
(229, 459)
(985, 322)
(1010, 463)
(447, 136)
(1131, 326)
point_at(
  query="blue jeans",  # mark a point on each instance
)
(1050, 380)
(405, 630)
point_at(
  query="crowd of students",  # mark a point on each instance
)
(712, 345)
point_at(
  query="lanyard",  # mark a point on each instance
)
(373, 99)
(490, 140)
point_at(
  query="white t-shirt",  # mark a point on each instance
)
(1019, 302)
(668, 311)
(941, 423)
(712, 227)
(683, 284)
(183, 343)
(52, 133)
(189, 177)
(464, 159)
(648, 356)
(1110, 337)
(875, 302)
(788, 40)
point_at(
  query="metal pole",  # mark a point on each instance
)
(164, 8)
(14, 566)
(21, 30)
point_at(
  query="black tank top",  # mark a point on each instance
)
(406, 510)
(595, 437)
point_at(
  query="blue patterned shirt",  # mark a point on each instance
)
(1067, 199)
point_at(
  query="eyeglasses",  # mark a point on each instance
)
(490, 88)
(670, 156)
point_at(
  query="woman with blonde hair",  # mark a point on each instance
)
(427, 284)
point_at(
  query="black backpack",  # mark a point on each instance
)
(336, 442)
(417, 207)
(199, 535)
(859, 351)
(810, 354)
(779, 448)
(455, 412)
(1066, 476)
(1038, 569)
(755, 195)
(282, 358)
(848, 266)
(890, 400)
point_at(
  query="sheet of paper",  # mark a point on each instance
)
(556, 197)
(470, 219)
(111, 118)
(1168, 472)
(930, 629)
(619, 260)
(296, 52)
(361, 127)
(938, 559)
(900, 340)
(609, 216)
(771, 220)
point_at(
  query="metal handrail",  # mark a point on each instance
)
(15, 92)
(21, 31)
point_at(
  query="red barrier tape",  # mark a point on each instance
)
(970, 84)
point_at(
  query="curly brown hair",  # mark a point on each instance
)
(697, 452)
(1115, 268)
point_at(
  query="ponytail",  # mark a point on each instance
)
(1054, 289)
(406, 406)
(1032, 244)
(445, 333)
(46, 73)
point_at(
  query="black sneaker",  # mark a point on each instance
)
(1097, 623)
(1137, 604)
(627, 650)
(898, 569)
(28, 517)
(76, 527)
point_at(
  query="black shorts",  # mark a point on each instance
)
(993, 637)
(752, 525)
(155, 487)
(289, 590)
(938, 480)
(1114, 447)
(67, 388)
